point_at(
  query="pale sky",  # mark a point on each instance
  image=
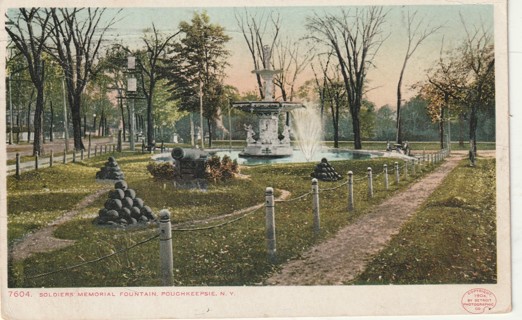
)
(382, 79)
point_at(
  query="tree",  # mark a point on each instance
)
(463, 81)
(196, 71)
(149, 61)
(290, 60)
(415, 38)
(332, 92)
(355, 38)
(385, 123)
(28, 31)
(76, 36)
(112, 65)
(254, 31)
(478, 63)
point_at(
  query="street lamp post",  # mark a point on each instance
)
(66, 134)
(94, 124)
(201, 114)
(10, 112)
(131, 88)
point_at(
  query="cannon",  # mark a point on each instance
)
(188, 154)
(190, 163)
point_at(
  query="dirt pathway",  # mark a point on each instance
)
(340, 259)
(42, 240)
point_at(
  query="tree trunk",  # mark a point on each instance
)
(76, 118)
(38, 112)
(461, 130)
(51, 133)
(441, 128)
(122, 118)
(29, 122)
(356, 130)
(150, 122)
(399, 97)
(85, 125)
(473, 128)
(209, 125)
(100, 126)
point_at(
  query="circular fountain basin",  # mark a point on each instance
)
(296, 157)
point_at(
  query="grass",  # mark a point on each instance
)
(231, 255)
(451, 239)
(416, 146)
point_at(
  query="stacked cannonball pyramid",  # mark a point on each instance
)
(325, 172)
(110, 171)
(124, 208)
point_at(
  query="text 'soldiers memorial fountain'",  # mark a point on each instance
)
(269, 143)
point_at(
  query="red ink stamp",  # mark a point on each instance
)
(478, 300)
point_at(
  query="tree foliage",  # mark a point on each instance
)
(198, 68)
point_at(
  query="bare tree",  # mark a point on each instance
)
(255, 30)
(290, 60)
(76, 35)
(332, 93)
(28, 31)
(355, 36)
(416, 35)
(149, 62)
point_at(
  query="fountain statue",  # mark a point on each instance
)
(269, 143)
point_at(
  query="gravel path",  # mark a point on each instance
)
(340, 259)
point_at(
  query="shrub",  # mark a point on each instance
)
(162, 170)
(218, 169)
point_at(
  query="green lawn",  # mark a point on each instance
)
(231, 255)
(451, 239)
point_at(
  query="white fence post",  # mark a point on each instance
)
(315, 205)
(386, 176)
(370, 183)
(270, 225)
(350, 191)
(166, 258)
(17, 173)
(397, 173)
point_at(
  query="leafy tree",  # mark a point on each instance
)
(463, 81)
(385, 123)
(150, 61)
(368, 119)
(21, 93)
(197, 68)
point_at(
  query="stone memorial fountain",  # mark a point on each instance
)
(268, 143)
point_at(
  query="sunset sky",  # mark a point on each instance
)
(382, 78)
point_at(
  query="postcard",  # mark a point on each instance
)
(188, 159)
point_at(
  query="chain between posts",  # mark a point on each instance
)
(94, 260)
